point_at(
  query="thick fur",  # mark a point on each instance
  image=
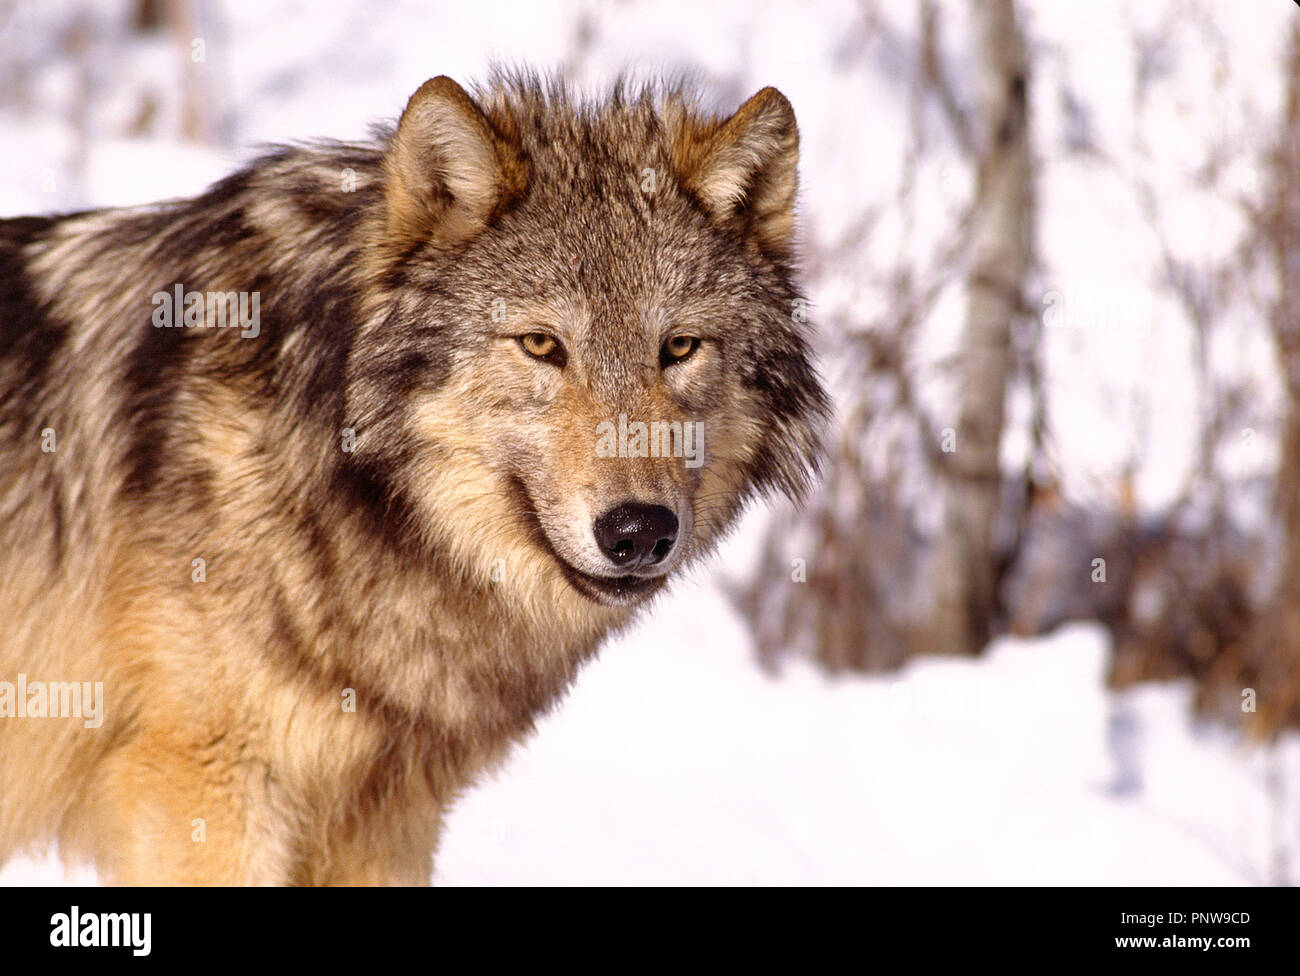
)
(392, 501)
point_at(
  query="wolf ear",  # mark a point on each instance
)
(744, 171)
(448, 170)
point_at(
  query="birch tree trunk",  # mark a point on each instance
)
(965, 567)
(1279, 650)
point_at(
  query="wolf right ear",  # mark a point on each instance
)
(448, 170)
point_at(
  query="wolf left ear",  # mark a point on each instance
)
(744, 171)
(448, 170)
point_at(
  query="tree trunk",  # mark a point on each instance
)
(965, 577)
(1278, 652)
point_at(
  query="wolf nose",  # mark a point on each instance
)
(634, 535)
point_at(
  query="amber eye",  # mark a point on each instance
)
(539, 345)
(677, 348)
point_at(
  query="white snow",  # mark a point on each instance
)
(675, 761)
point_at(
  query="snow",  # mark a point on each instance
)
(675, 759)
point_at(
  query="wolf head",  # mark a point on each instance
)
(591, 354)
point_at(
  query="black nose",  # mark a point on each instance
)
(633, 535)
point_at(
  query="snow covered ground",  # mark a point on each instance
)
(675, 760)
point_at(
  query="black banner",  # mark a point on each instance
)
(143, 927)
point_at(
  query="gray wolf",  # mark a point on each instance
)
(332, 477)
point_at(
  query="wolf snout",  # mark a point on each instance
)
(634, 536)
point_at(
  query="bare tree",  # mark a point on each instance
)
(1277, 648)
(849, 580)
(966, 568)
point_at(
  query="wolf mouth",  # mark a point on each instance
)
(611, 591)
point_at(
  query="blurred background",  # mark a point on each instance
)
(1041, 623)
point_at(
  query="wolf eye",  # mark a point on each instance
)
(677, 348)
(539, 345)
